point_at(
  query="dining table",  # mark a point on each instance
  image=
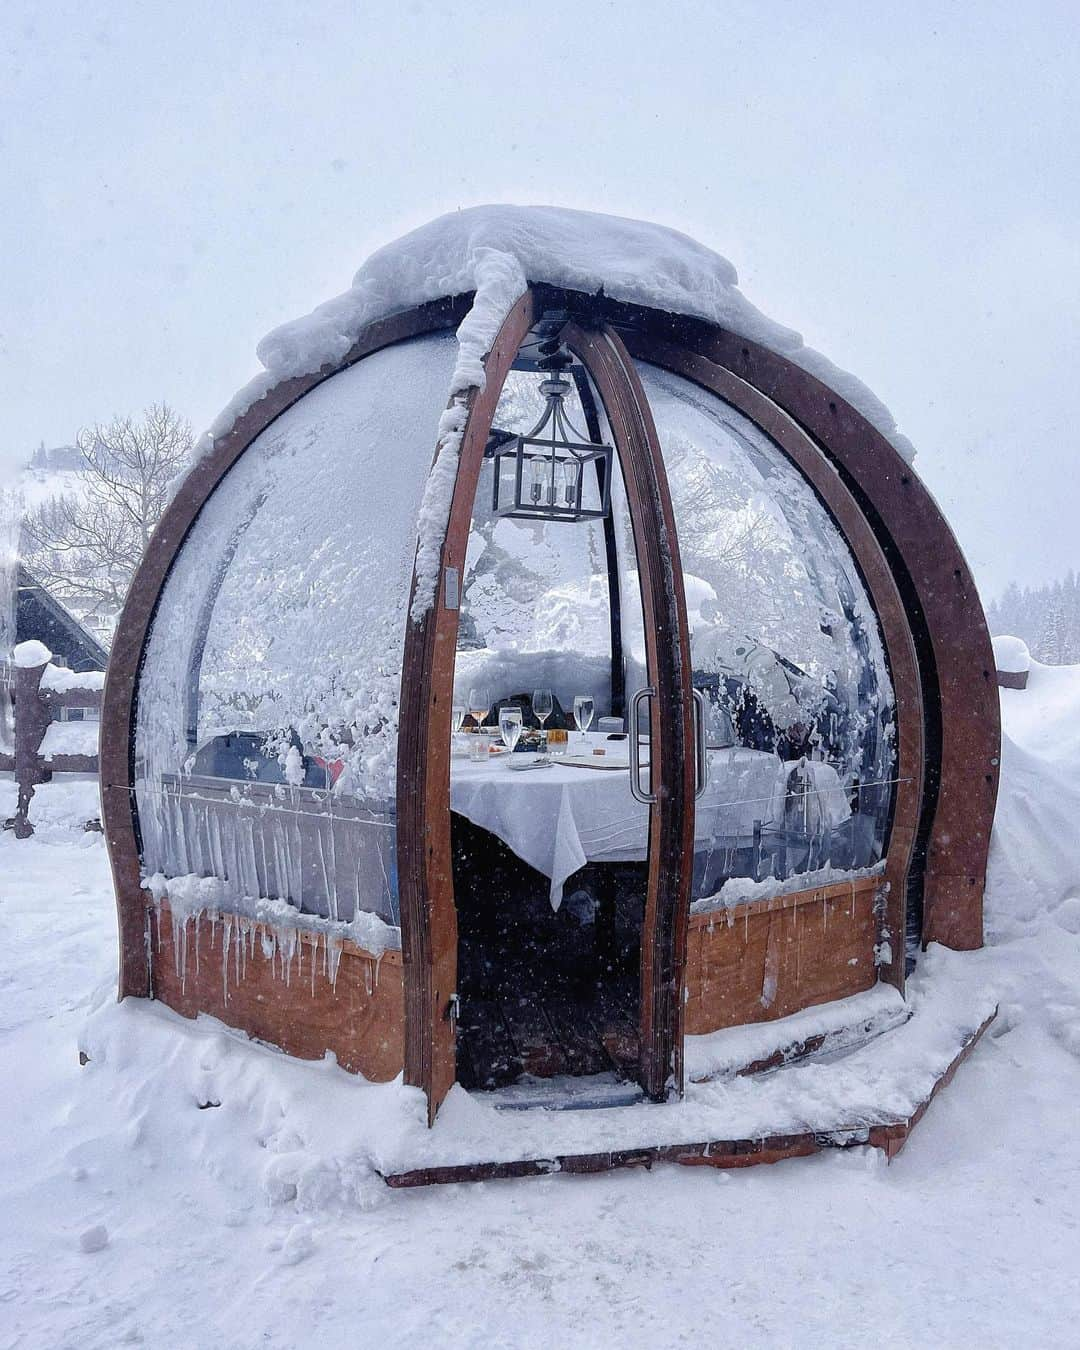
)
(579, 809)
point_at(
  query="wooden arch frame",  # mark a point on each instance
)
(936, 638)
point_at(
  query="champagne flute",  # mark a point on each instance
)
(510, 725)
(479, 704)
(584, 706)
(543, 705)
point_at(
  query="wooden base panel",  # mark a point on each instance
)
(889, 1136)
(290, 989)
(765, 959)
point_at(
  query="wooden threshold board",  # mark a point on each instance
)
(888, 1135)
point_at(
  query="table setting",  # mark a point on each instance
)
(566, 807)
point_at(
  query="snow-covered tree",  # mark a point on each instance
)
(85, 545)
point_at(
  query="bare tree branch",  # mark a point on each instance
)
(85, 546)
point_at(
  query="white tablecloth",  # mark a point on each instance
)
(559, 818)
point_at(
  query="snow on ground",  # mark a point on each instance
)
(130, 1216)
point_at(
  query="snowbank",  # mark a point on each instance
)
(1035, 848)
(1011, 655)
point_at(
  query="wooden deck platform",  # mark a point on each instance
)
(889, 1134)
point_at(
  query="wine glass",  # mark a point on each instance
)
(510, 725)
(457, 716)
(479, 704)
(543, 705)
(584, 706)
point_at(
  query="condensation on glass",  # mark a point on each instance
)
(785, 648)
(267, 708)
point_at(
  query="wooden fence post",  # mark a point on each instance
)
(31, 721)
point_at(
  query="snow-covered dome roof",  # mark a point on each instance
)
(494, 251)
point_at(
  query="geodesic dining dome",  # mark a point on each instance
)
(534, 448)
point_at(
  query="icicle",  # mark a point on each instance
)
(289, 949)
(226, 937)
(174, 924)
(329, 890)
(334, 948)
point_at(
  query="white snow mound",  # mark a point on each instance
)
(60, 680)
(1011, 655)
(28, 655)
(1035, 848)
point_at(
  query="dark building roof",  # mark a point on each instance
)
(38, 614)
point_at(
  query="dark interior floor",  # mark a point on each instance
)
(543, 993)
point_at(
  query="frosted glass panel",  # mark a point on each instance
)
(268, 703)
(785, 647)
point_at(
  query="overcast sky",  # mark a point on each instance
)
(899, 183)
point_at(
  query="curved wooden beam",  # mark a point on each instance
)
(118, 808)
(811, 464)
(671, 738)
(961, 711)
(425, 865)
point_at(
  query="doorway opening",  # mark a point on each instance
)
(548, 842)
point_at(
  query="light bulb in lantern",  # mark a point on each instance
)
(570, 479)
(538, 473)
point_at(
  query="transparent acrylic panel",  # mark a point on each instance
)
(786, 649)
(535, 608)
(267, 710)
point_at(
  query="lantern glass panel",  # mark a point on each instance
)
(551, 470)
(535, 608)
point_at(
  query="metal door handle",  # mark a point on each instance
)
(701, 746)
(636, 790)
